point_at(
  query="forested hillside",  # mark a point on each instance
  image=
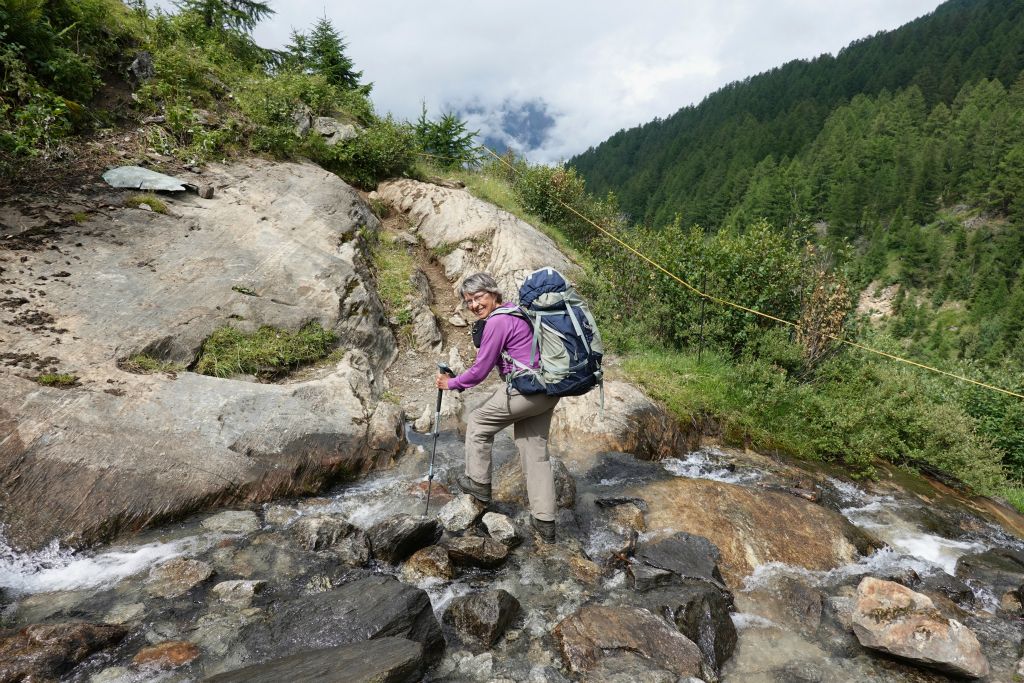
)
(699, 162)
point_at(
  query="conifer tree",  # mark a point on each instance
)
(234, 15)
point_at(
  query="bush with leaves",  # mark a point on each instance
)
(382, 150)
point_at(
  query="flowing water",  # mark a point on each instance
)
(110, 583)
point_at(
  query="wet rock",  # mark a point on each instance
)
(627, 517)
(460, 513)
(482, 617)
(167, 655)
(320, 532)
(686, 555)
(501, 529)
(113, 674)
(627, 667)
(385, 435)
(431, 561)
(644, 577)
(752, 528)
(383, 660)
(47, 651)
(701, 613)
(122, 614)
(371, 607)
(217, 633)
(177, 577)
(238, 593)
(510, 486)
(631, 423)
(439, 494)
(942, 583)
(597, 632)
(1001, 569)
(476, 551)
(232, 522)
(896, 620)
(280, 515)
(398, 537)
(585, 570)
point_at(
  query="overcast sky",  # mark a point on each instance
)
(594, 67)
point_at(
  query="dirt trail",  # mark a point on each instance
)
(411, 377)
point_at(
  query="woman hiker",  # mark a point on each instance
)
(530, 415)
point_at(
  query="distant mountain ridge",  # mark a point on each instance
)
(697, 163)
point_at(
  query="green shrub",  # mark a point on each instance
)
(382, 150)
(447, 139)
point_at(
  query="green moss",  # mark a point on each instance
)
(143, 364)
(268, 353)
(58, 380)
(150, 200)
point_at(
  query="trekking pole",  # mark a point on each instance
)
(437, 430)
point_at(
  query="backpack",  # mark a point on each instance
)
(565, 337)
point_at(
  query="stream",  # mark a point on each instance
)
(113, 583)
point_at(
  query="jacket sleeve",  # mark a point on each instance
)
(496, 335)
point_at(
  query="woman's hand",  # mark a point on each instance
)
(441, 381)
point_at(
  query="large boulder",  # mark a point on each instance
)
(630, 422)
(753, 527)
(371, 607)
(397, 537)
(1001, 569)
(477, 551)
(385, 660)
(896, 620)
(119, 450)
(510, 484)
(47, 651)
(598, 632)
(482, 617)
(489, 238)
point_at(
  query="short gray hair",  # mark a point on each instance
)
(480, 282)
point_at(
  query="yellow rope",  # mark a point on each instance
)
(726, 302)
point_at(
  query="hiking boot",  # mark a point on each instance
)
(481, 492)
(545, 530)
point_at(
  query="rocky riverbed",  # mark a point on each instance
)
(238, 530)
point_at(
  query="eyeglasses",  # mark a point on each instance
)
(476, 299)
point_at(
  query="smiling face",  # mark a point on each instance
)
(481, 304)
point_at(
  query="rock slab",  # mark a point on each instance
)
(460, 513)
(598, 632)
(384, 660)
(896, 620)
(477, 551)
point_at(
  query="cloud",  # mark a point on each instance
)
(593, 67)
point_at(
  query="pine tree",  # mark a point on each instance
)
(235, 15)
(326, 55)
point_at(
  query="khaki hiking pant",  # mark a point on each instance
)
(530, 417)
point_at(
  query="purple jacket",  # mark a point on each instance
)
(502, 333)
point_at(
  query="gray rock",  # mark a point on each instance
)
(482, 617)
(460, 513)
(141, 69)
(425, 330)
(944, 584)
(386, 433)
(384, 660)
(510, 485)
(476, 551)
(686, 555)
(701, 613)
(138, 178)
(232, 522)
(644, 577)
(280, 515)
(398, 537)
(320, 532)
(238, 593)
(333, 131)
(371, 607)
(891, 618)
(290, 231)
(501, 529)
(177, 577)
(303, 119)
(122, 614)
(1001, 569)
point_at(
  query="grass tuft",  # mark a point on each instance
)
(150, 200)
(58, 380)
(143, 364)
(268, 353)
(394, 267)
